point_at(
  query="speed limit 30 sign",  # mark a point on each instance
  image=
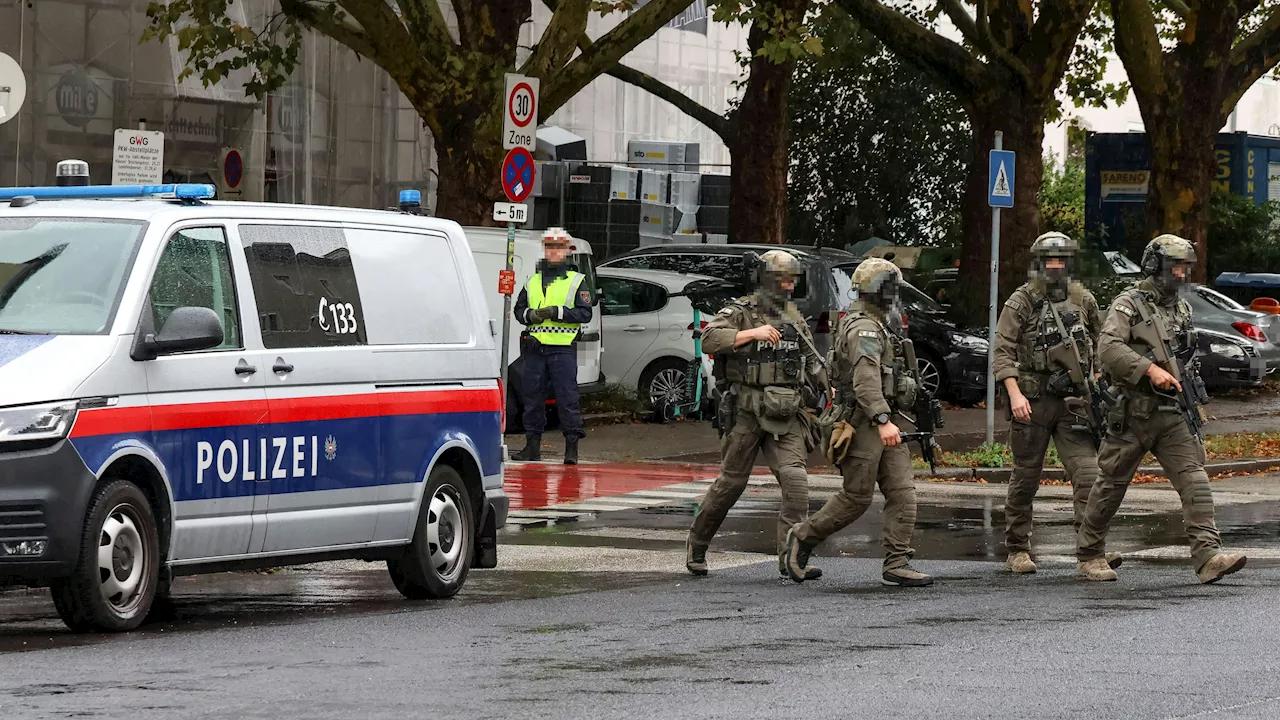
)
(520, 112)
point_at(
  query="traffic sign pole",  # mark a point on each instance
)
(991, 307)
(506, 306)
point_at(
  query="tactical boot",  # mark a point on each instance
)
(1096, 570)
(1220, 566)
(1020, 563)
(532, 449)
(810, 573)
(795, 559)
(695, 558)
(1114, 560)
(571, 451)
(906, 576)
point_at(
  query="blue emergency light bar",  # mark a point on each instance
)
(179, 191)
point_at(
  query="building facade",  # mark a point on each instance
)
(339, 132)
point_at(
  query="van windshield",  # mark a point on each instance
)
(63, 276)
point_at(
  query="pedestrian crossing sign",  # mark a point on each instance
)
(1000, 183)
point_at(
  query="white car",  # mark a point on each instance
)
(648, 331)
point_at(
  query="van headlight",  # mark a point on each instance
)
(36, 422)
(1230, 350)
(970, 342)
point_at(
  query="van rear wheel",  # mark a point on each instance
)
(118, 567)
(435, 563)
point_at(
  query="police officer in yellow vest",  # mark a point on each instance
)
(551, 307)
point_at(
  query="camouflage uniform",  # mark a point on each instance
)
(1031, 348)
(763, 402)
(873, 380)
(1147, 421)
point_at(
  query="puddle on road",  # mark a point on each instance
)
(973, 531)
(294, 595)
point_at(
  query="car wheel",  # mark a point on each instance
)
(435, 563)
(118, 567)
(663, 383)
(931, 376)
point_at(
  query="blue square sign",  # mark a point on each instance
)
(1000, 179)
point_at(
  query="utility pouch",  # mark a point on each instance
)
(779, 403)
(1061, 385)
(1141, 406)
(1118, 418)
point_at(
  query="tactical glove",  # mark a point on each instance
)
(541, 314)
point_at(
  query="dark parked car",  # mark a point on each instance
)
(817, 294)
(953, 361)
(1238, 346)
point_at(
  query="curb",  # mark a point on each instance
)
(1001, 475)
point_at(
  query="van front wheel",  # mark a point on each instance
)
(435, 563)
(118, 568)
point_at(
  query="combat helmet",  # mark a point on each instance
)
(1054, 245)
(774, 267)
(1160, 257)
(877, 281)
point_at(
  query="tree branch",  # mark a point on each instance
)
(1138, 45)
(714, 121)
(605, 53)
(998, 52)
(945, 59)
(956, 12)
(555, 47)
(1180, 8)
(348, 34)
(1053, 39)
(427, 23)
(1254, 56)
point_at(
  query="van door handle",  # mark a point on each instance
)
(282, 367)
(633, 328)
(244, 368)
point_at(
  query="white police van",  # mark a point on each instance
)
(190, 386)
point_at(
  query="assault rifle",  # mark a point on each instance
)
(928, 413)
(1182, 366)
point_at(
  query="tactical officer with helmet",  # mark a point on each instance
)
(1044, 356)
(764, 356)
(873, 369)
(1146, 350)
(553, 305)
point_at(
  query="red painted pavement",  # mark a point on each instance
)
(534, 485)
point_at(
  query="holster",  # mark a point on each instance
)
(727, 411)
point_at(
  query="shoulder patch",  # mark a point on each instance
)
(868, 333)
(584, 296)
(1013, 304)
(1121, 307)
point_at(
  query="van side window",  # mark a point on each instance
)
(412, 286)
(305, 286)
(195, 271)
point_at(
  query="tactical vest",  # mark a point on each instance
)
(1176, 322)
(560, 293)
(1047, 360)
(761, 364)
(898, 383)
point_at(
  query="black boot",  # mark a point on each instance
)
(795, 559)
(532, 449)
(571, 450)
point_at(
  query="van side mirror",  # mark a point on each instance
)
(187, 329)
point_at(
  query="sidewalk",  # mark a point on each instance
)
(965, 429)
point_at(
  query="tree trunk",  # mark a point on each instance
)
(1022, 122)
(1183, 166)
(469, 156)
(758, 143)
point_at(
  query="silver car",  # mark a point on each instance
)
(1238, 346)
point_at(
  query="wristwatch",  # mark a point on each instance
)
(881, 419)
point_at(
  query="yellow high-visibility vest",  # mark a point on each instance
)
(560, 293)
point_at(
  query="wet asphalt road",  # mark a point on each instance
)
(594, 617)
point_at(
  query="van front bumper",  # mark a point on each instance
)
(44, 494)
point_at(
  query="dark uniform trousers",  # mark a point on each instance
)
(786, 457)
(555, 368)
(1050, 420)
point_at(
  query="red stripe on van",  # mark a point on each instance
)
(110, 421)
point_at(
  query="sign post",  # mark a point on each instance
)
(518, 173)
(999, 195)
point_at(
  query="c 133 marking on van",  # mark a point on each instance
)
(295, 457)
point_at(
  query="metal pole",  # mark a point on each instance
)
(991, 312)
(506, 304)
